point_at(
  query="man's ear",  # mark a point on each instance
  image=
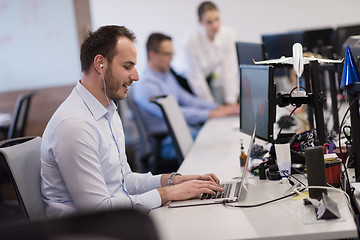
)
(99, 63)
(151, 54)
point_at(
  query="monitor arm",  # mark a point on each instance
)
(315, 99)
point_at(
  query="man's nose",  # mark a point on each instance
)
(134, 75)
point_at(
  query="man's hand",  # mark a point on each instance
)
(180, 179)
(227, 110)
(207, 177)
(189, 189)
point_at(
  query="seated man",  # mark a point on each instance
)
(156, 80)
(83, 161)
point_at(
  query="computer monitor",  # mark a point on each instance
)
(354, 44)
(246, 52)
(316, 39)
(341, 35)
(257, 100)
(278, 45)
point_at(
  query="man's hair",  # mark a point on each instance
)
(154, 41)
(103, 41)
(204, 7)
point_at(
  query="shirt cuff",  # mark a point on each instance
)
(155, 181)
(149, 200)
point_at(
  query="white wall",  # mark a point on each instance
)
(250, 18)
(38, 44)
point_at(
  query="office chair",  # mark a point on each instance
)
(20, 114)
(21, 157)
(129, 224)
(150, 144)
(178, 128)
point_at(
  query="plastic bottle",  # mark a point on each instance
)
(243, 155)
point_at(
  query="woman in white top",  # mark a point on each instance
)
(211, 53)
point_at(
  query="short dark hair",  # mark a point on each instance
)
(154, 41)
(103, 41)
(204, 7)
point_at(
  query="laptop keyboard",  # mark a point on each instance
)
(224, 194)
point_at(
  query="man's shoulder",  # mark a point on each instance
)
(69, 112)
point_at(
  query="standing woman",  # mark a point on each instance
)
(209, 58)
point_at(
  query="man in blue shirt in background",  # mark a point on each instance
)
(157, 79)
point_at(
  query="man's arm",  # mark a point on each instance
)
(188, 186)
(227, 110)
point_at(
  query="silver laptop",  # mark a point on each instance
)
(233, 190)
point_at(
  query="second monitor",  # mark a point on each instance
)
(257, 100)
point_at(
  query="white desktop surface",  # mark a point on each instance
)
(217, 150)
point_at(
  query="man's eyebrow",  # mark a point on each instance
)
(130, 62)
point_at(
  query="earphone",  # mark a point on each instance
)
(102, 75)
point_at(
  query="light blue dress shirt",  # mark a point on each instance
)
(83, 161)
(196, 111)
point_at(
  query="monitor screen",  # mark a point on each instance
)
(278, 45)
(316, 39)
(257, 100)
(341, 35)
(246, 52)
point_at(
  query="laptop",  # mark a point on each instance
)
(233, 190)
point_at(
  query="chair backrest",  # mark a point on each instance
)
(21, 110)
(129, 224)
(145, 146)
(23, 164)
(178, 128)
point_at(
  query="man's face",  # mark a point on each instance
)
(211, 22)
(163, 56)
(121, 72)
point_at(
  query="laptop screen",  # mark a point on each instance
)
(245, 171)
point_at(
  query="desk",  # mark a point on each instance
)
(217, 149)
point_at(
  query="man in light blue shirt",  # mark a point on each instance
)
(83, 161)
(156, 80)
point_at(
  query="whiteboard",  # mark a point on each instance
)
(38, 44)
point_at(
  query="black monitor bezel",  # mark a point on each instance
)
(271, 100)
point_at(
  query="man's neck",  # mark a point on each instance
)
(156, 69)
(91, 85)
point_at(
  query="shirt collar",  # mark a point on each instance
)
(161, 75)
(94, 106)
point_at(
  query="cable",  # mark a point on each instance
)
(260, 204)
(341, 125)
(330, 188)
(102, 75)
(292, 90)
(287, 119)
(288, 176)
(343, 120)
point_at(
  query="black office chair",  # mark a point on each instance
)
(20, 114)
(149, 151)
(126, 224)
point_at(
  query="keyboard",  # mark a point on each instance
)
(224, 194)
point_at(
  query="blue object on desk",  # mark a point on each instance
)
(350, 71)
